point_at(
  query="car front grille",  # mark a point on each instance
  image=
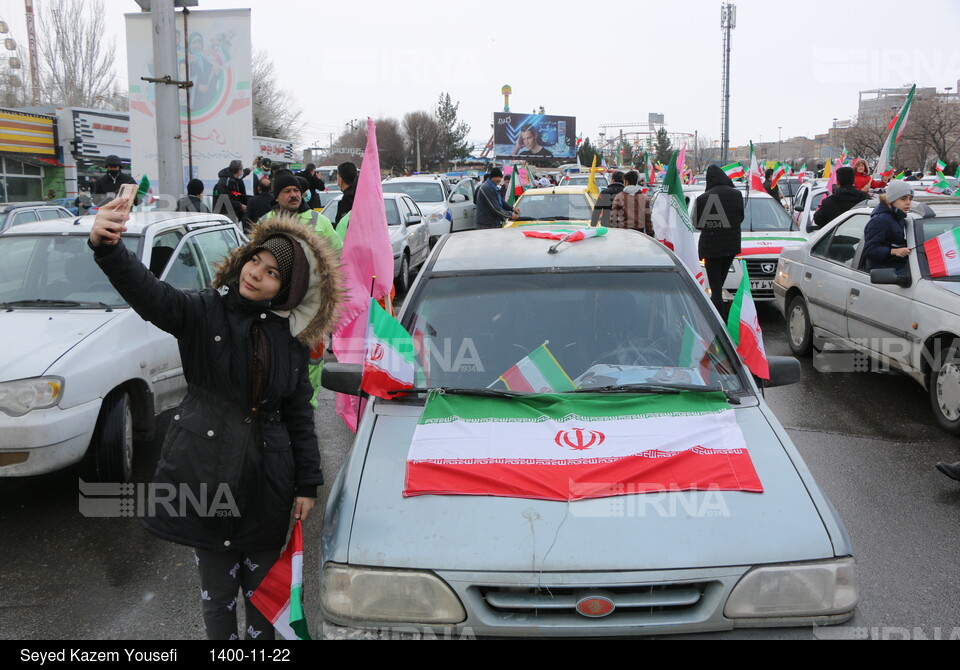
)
(633, 605)
(757, 271)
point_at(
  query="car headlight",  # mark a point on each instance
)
(25, 395)
(383, 596)
(795, 590)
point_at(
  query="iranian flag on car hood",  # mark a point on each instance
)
(570, 447)
(759, 244)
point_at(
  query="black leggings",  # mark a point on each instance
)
(222, 575)
(717, 270)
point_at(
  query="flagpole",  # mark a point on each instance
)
(373, 281)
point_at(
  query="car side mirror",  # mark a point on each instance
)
(798, 209)
(784, 370)
(458, 197)
(342, 377)
(412, 219)
(889, 276)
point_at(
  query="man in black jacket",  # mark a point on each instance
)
(847, 196)
(347, 180)
(718, 215)
(601, 210)
(108, 186)
(229, 195)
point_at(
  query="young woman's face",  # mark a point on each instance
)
(260, 277)
(861, 168)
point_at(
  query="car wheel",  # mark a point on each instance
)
(112, 445)
(944, 385)
(403, 278)
(799, 331)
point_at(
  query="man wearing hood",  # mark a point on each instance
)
(108, 186)
(631, 207)
(847, 196)
(229, 195)
(718, 214)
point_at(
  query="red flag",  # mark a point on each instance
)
(367, 268)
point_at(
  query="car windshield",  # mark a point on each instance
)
(554, 206)
(582, 180)
(926, 230)
(765, 214)
(54, 270)
(601, 329)
(419, 191)
(390, 207)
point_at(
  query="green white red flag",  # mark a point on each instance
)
(896, 127)
(389, 355)
(778, 174)
(280, 595)
(734, 170)
(576, 446)
(671, 223)
(939, 187)
(567, 235)
(941, 166)
(943, 254)
(802, 173)
(512, 194)
(744, 328)
(538, 372)
(756, 176)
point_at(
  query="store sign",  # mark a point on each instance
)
(31, 134)
(277, 150)
(99, 134)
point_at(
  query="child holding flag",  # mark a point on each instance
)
(243, 439)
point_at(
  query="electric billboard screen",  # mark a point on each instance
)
(526, 136)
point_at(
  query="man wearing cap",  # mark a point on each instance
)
(491, 209)
(229, 195)
(106, 188)
(192, 201)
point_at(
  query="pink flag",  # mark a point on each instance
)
(367, 260)
(682, 158)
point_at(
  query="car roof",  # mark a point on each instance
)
(10, 206)
(137, 225)
(508, 249)
(559, 190)
(419, 177)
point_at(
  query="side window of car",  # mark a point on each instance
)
(465, 188)
(841, 247)
(49, 214)
(214, 246)
(162, 251)
(24, 217)
(801, 198)
(185, 270)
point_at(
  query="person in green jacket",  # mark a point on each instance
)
(289, 195)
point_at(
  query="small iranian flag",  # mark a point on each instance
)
(941, 186)
(570, 447)
(388, 361)
(672, 227)
(512, 194)
(802, 174)
(941, 166)
(538, 372)
(744, 328)
(567, 235)
(778, 175)
(756, 176)
(280, 595)
(943, 254)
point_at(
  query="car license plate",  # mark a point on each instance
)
(761, 285)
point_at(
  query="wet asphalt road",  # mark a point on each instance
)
(869, 439)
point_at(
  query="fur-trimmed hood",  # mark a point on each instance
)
(316, 314)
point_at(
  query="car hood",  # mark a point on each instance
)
(652, 531)
(34, 339)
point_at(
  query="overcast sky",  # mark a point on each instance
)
(795, 65)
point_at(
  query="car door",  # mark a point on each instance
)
(799, 206)
(879, 315)
(463, 210)
(418, 237)
(830, 276)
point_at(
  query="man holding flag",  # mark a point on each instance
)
(491, 209)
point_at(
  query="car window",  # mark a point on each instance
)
(553, 206)
(55, 268)
(214, 246)
(818, 200)
(50, 214)
(393, 215)
(765, 214)
(801, 198)
(184, 271)
(842, 244)
(465, 188)
(419, 191)
(469, 330)
(22, 217)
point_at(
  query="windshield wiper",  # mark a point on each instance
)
(659, 388)
(493, 393)
(52, 303)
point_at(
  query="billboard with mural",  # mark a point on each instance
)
(214, 46)
(531, 136)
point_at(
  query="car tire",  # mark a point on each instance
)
(944, 386)
(112, 444)
(799, 330)
(403, 278)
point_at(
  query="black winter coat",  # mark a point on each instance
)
(604, 205)
(229, 196)
(884, 231)
(107, 187)
(844, 198)
(718, 215)
(245, 464)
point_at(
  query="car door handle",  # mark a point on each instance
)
(855, 292)
(808, 275)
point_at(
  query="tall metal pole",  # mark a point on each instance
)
(169, 151)
(728, 21)
(34, 58)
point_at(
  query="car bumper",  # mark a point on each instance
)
(46, 440)
(544, 605)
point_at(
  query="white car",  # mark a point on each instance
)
(909, 324)
(81, 374)
(446, 209)
(408, 235)
(806, 203)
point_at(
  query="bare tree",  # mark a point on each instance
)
(422, 132)
(703, 153)
(76, 61)
(934, 126)
(393, 151)
(275, 111)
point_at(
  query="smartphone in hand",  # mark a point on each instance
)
(128, 192)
